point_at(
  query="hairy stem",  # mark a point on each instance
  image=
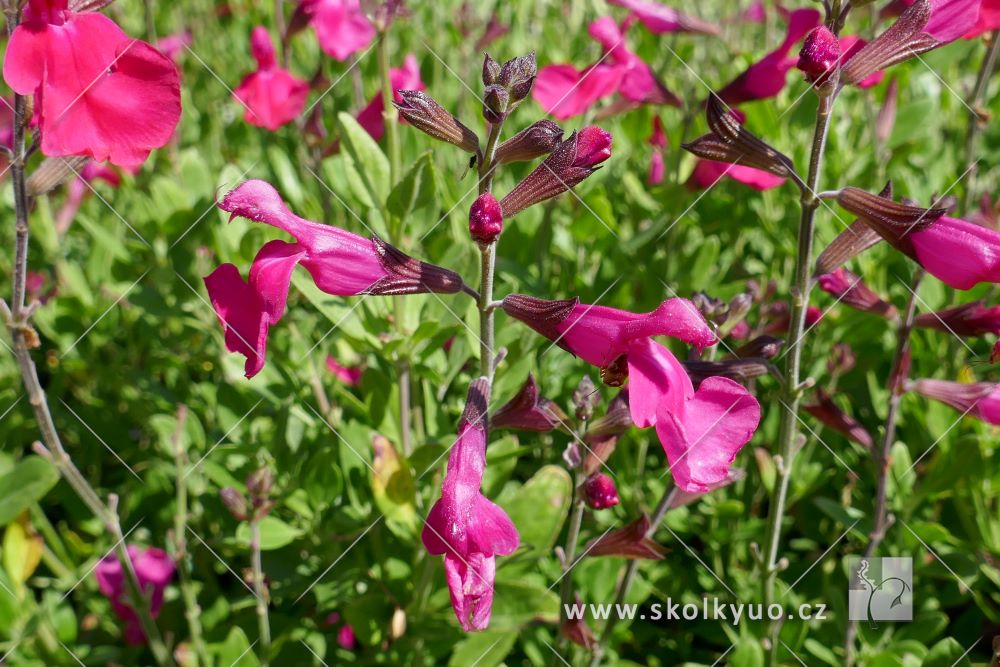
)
(572, 537)
(24, 338)
(792, 392)
(976, 123)
(263, 624)
(192, 611)
(625, 582)
(883, 455)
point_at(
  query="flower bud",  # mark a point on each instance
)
(495, 102)
(852, 290)
(259, 485)
(599, 492)
(766, 347)
(631, 542)
(536, 140)
(841, 360)
(424, 113)
(491, 70)
(830, 414)
(528, 411)
(518, 76)
(820, 55)
(235, 502)
(485, 219)
(970, 319)
(585, 398)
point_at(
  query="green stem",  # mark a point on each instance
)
(883, 455)
(572, 537)
(629, 576)
(389, 117)
(263, 624)
(976, 123)
(792, 391)
(488, 256)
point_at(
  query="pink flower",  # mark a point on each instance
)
(959, 253)
(407, 78)
(464, 525)
(349, 375)
(172, 46)
(766, 78)
(701, 431)
(153, 568)
(970, 319)
(980, 400)
(271, 95)
(850, 45)
(485, 219)
(341, 263)
(564, 91)
(707, 172)
(852, 291)
(341, 27)
(755, 13)
(98, 92)
(346, 638)
(658, 140)
(820, 54)
(660, 19)
(989, 19)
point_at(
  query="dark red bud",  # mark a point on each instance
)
(819, 55)
(599, 491)
(485, 219)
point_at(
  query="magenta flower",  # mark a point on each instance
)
(173, 45)
(485, 219)
(980, 400)
(970, 319)
(708, 172)
(701, 432)
(755, 13)
(564, 91)
(341, 27)
(852, 290)
(349, 375)
(850, 45)
(153, 568)
(340, 263)
(660, 19)
(989, 19)
(407, 78)
(470, 530)
(118, 100)
(271, 95)
(599, 492)
(766, 78)
(959, 253)
(658, 140)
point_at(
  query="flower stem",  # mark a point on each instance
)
(976, 123)
(192, 611)
(389, 117)
(792, 392)
(572, 537)
(897, 380)
(625, 582)
(263, 624)
(24, 337)
(488, 257)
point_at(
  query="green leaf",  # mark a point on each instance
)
(274, 533)
(518, 602)
(417, 189)
(235, 651)
(538, 508)
(946, 653)
(288, 177)
(393, 488)
(22, 551)
(483, 649)
(368, 158)
(27, 483)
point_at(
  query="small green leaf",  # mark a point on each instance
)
(369, 160)
(538, 508)
(274, 533)
(27, 483)
(415, 190)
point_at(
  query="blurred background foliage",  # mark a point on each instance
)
(128, 336)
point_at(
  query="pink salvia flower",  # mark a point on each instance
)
(755, 13)
(970, 319)
(599, 492)
(271, 95)
(957, 252)
(660, 19)
(349, 375)
(820, 54)
(340, 263)
(638, 84)
(564, 91)
(341, 27)
(989, 19)
(98, 92)
(852, 291)
(463, 525)
(766, 78)
(980, 400)
(172, 46)
(708, 172)
(153, 568)
(406, 77)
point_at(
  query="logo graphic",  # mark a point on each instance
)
(881, 590)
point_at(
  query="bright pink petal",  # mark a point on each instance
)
(470, 582)
(564, 91)
(950, 19)
(707, 172)
(702, 440)
(657, 168)
(989, 19)
(349, 375)
(661, 19)
(988, 408)
(406, 77)
(262, 48)
(272, 98)
(656, 380)
(341, 27)
(959, 253)
(271, 275)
